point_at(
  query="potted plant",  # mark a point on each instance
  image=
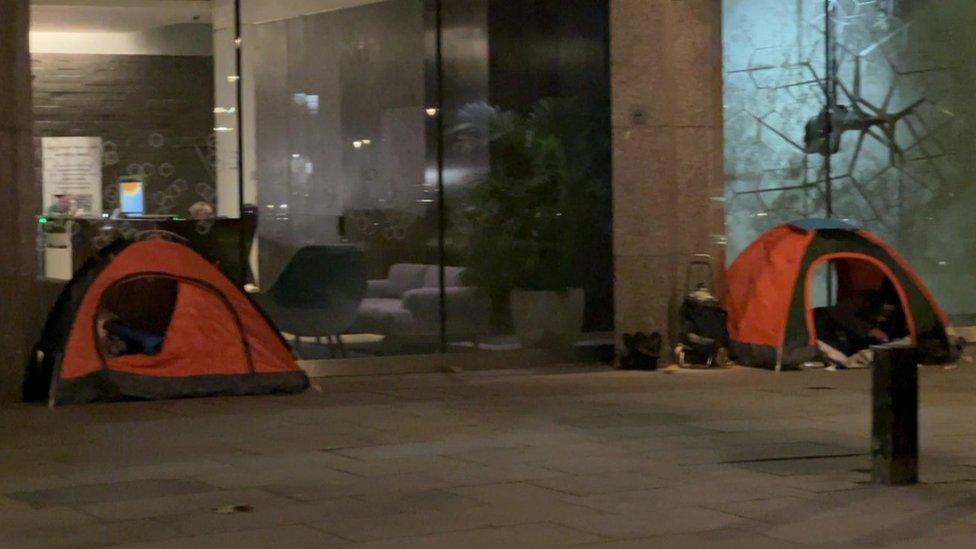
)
(519, 221)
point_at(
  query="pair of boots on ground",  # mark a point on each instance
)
(641, 351)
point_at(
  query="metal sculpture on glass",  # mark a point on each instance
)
(879, 180)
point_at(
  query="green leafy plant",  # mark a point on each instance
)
(521, 221)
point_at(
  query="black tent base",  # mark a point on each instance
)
(108, 385)
(931, 351)
(762, 356)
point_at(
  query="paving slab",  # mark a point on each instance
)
(111, 491)
(285, 537)
(523, 535)
(575, 456)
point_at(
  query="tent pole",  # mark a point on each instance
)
(52, 393)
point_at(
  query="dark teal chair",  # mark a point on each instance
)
(318, 294)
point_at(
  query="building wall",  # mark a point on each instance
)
(22, 298)
(666, 65)
(177, 39)
(154, 114)
(228, 185)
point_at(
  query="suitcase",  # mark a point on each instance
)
(703, 340)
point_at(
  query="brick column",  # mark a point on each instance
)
(666, 65)
(21, 307)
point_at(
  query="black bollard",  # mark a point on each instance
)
(894, 401)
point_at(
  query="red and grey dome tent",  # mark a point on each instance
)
(770, 291)
(212, 339)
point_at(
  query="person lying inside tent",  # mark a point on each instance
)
(135, 316)
(862, 319)
(116, 337)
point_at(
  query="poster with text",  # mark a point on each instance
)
(72, 175)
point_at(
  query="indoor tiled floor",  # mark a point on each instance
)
(574, 456)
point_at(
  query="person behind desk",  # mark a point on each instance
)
(64, 205)
(58, 222)
(862, 319)
(201, 210)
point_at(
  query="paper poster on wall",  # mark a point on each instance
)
(72, 175)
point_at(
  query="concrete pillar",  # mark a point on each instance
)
(668, 179)
(21, 305)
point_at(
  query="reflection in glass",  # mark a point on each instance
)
(342, 133)
(900, 134)
(532, 227)
(365, 114)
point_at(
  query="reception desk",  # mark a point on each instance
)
(65, 243)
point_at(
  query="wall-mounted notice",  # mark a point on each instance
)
(72, 175)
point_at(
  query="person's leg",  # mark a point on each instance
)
(831, 332)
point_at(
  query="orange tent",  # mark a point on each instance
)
(213, 340)
(770, 291)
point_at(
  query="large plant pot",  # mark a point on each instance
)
(548, 320)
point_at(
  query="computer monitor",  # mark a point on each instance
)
(131, 198)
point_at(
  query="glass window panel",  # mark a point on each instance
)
(903, 126)
(774, 65)
(348, 210)
(529, 224)
(363, 112)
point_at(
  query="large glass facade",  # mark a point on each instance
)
(384, 177)
(897, 75)
(410, 172)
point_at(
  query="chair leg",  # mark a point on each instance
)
(332, 347)
(342, 347)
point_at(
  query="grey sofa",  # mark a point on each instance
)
(407, 304)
